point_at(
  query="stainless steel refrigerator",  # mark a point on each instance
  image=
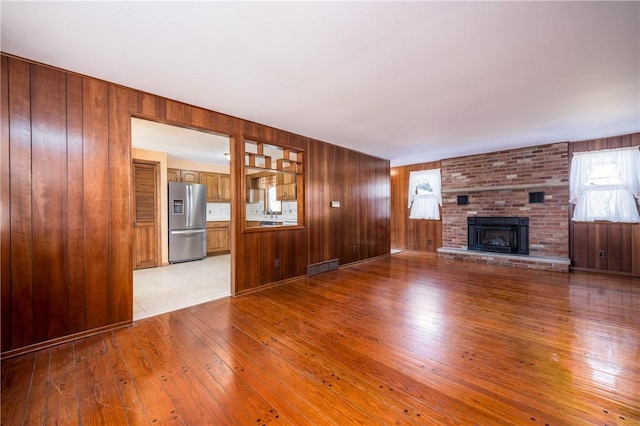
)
(187, 221)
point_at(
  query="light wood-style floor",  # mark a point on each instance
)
(407, 339)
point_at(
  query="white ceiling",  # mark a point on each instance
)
(405, 81)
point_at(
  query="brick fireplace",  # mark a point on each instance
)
(530, 182)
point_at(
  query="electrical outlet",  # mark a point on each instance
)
(355, 248)
(276, 263)
(601, 254)
(429, 242)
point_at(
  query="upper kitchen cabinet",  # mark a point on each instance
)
(189, 176)
(173, 175)
(177, 175)
(224, 187)
(286, 186)
(218, 186)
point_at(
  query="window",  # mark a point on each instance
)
(425, 196)
(603, 185)
(273, 204)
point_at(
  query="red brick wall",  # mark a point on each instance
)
(498, 184)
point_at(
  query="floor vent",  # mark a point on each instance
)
(319, 268)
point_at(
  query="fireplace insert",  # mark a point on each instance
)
(498, 234)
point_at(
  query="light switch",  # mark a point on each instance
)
(335, 204)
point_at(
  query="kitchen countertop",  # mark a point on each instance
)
(277, 218)
(257, 218)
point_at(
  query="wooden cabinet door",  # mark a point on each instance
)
(211, 180)
(173, 175)
(190, 176)
(217, 238)
(286, 187)
(145, 202)
(224, 188)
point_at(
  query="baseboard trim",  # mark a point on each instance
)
(603, 271)
(60, 340)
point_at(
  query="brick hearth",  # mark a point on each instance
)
(557, 264)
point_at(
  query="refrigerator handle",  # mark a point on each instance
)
(188, 206)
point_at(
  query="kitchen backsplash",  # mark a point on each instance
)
(218, 211)
(289, 209)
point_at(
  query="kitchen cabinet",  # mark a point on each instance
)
(177, 175)
(217, 237)
(189, 176)
(173, 175)
(211, 180)
(224, 187)
(218, 186)
(286, 187)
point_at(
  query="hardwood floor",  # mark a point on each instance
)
(408, 339)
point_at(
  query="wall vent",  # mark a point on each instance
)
(536, 197)
(319, 268)
(463, 200)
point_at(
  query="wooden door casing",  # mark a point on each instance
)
(145, 207)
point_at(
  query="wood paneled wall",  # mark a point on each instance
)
(411, 234)
(359, 228)
(66, 191)
(618, 242)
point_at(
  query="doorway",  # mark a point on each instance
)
(193, 156)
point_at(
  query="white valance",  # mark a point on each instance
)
(603, 185)
(425, 194)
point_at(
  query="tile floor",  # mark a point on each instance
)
(165, 289)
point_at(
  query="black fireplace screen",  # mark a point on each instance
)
(498, 234)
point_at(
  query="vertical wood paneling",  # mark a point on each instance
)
(5, 213)
(75, 205)
(598, 242)
(200, 118)
(121, 101)
(248, 267)
(350, 210)
(97, 208)
(292, 254)
(580, 253)
(49, 202)
(315, 209)
(614, 248)
(626, 247)
(269, 251)
(152, 106)
(21, 213)
(635, 249)
(178, 112)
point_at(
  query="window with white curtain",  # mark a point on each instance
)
(425, 194)
(604, 185)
